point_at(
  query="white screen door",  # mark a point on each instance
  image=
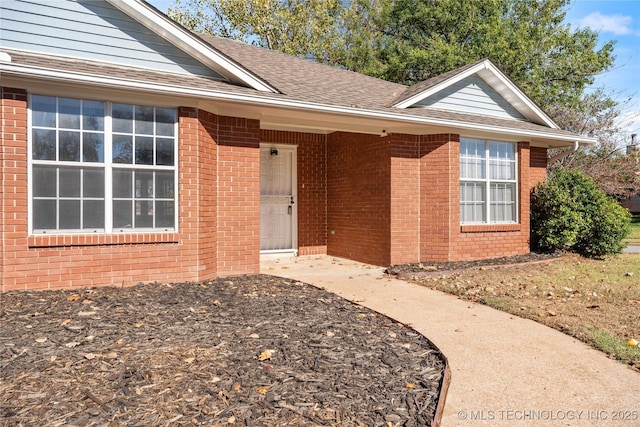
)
(278, 219)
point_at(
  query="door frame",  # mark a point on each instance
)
(294, 191)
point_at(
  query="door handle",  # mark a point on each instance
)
(290, 209)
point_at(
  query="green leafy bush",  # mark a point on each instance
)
(569, 212)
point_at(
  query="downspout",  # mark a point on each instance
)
(565, 153)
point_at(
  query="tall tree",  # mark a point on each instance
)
(308, 28)
(528, 39)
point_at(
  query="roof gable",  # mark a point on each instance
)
(125, 32)
(479, 88)
(471, 95)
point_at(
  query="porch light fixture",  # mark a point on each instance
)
(274, 152)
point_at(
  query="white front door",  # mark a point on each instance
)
(278, 197)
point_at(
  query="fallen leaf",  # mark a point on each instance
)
(90, 356)
(552, 313)
(138, 325)
(41, 340)
(236, 386)
(330, 334)
(254, 336)
(362, 315)
(53, 358)
(231, 419)
(266, 355)
(112, 355)
(72, 344)
(411, 385)
(392, 334)
(632, 342)
(189, 360)
(263, 389)
(87, 302)
(73, 297)
(65, 322)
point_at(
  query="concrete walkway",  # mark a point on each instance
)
(505, 371)
(633, 249)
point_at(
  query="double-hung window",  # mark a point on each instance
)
(101, 166)
(488, 182)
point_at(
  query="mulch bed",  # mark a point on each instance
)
(250, 350)
(434, 268)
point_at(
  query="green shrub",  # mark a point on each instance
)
(569, 212)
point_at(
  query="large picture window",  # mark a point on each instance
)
(101, 166)
(488, 183)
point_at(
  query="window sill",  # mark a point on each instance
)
(490, 228)
(58, 240)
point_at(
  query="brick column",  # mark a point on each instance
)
(405, 198)
(13, 188)
(238, 219)
(439, 195)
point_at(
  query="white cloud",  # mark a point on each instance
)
(617, 24)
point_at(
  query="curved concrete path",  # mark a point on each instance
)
(505, 371)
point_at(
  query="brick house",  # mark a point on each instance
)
(133, 150)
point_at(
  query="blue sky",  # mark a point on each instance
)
(613, 20)
(616, 20)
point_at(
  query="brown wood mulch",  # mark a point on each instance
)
(437, 268)
(249, 350)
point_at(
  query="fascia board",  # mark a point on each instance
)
(521, 96)
(175, 34)
(268, 101)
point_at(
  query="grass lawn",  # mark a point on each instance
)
(595, 301)
(634, 237)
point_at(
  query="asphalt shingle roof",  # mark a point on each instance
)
(307, 80)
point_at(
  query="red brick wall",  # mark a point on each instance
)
(358, 194)
(218, 233)
(312, 187)
(493, 241)
(238, 196)
(538, 165)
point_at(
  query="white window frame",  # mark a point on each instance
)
(108, 167)
(487, 182)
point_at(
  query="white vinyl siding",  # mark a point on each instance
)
(92, 30)
(488, 182)
(472, 95)
(98, 167)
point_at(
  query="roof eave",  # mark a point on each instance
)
(261, 99)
